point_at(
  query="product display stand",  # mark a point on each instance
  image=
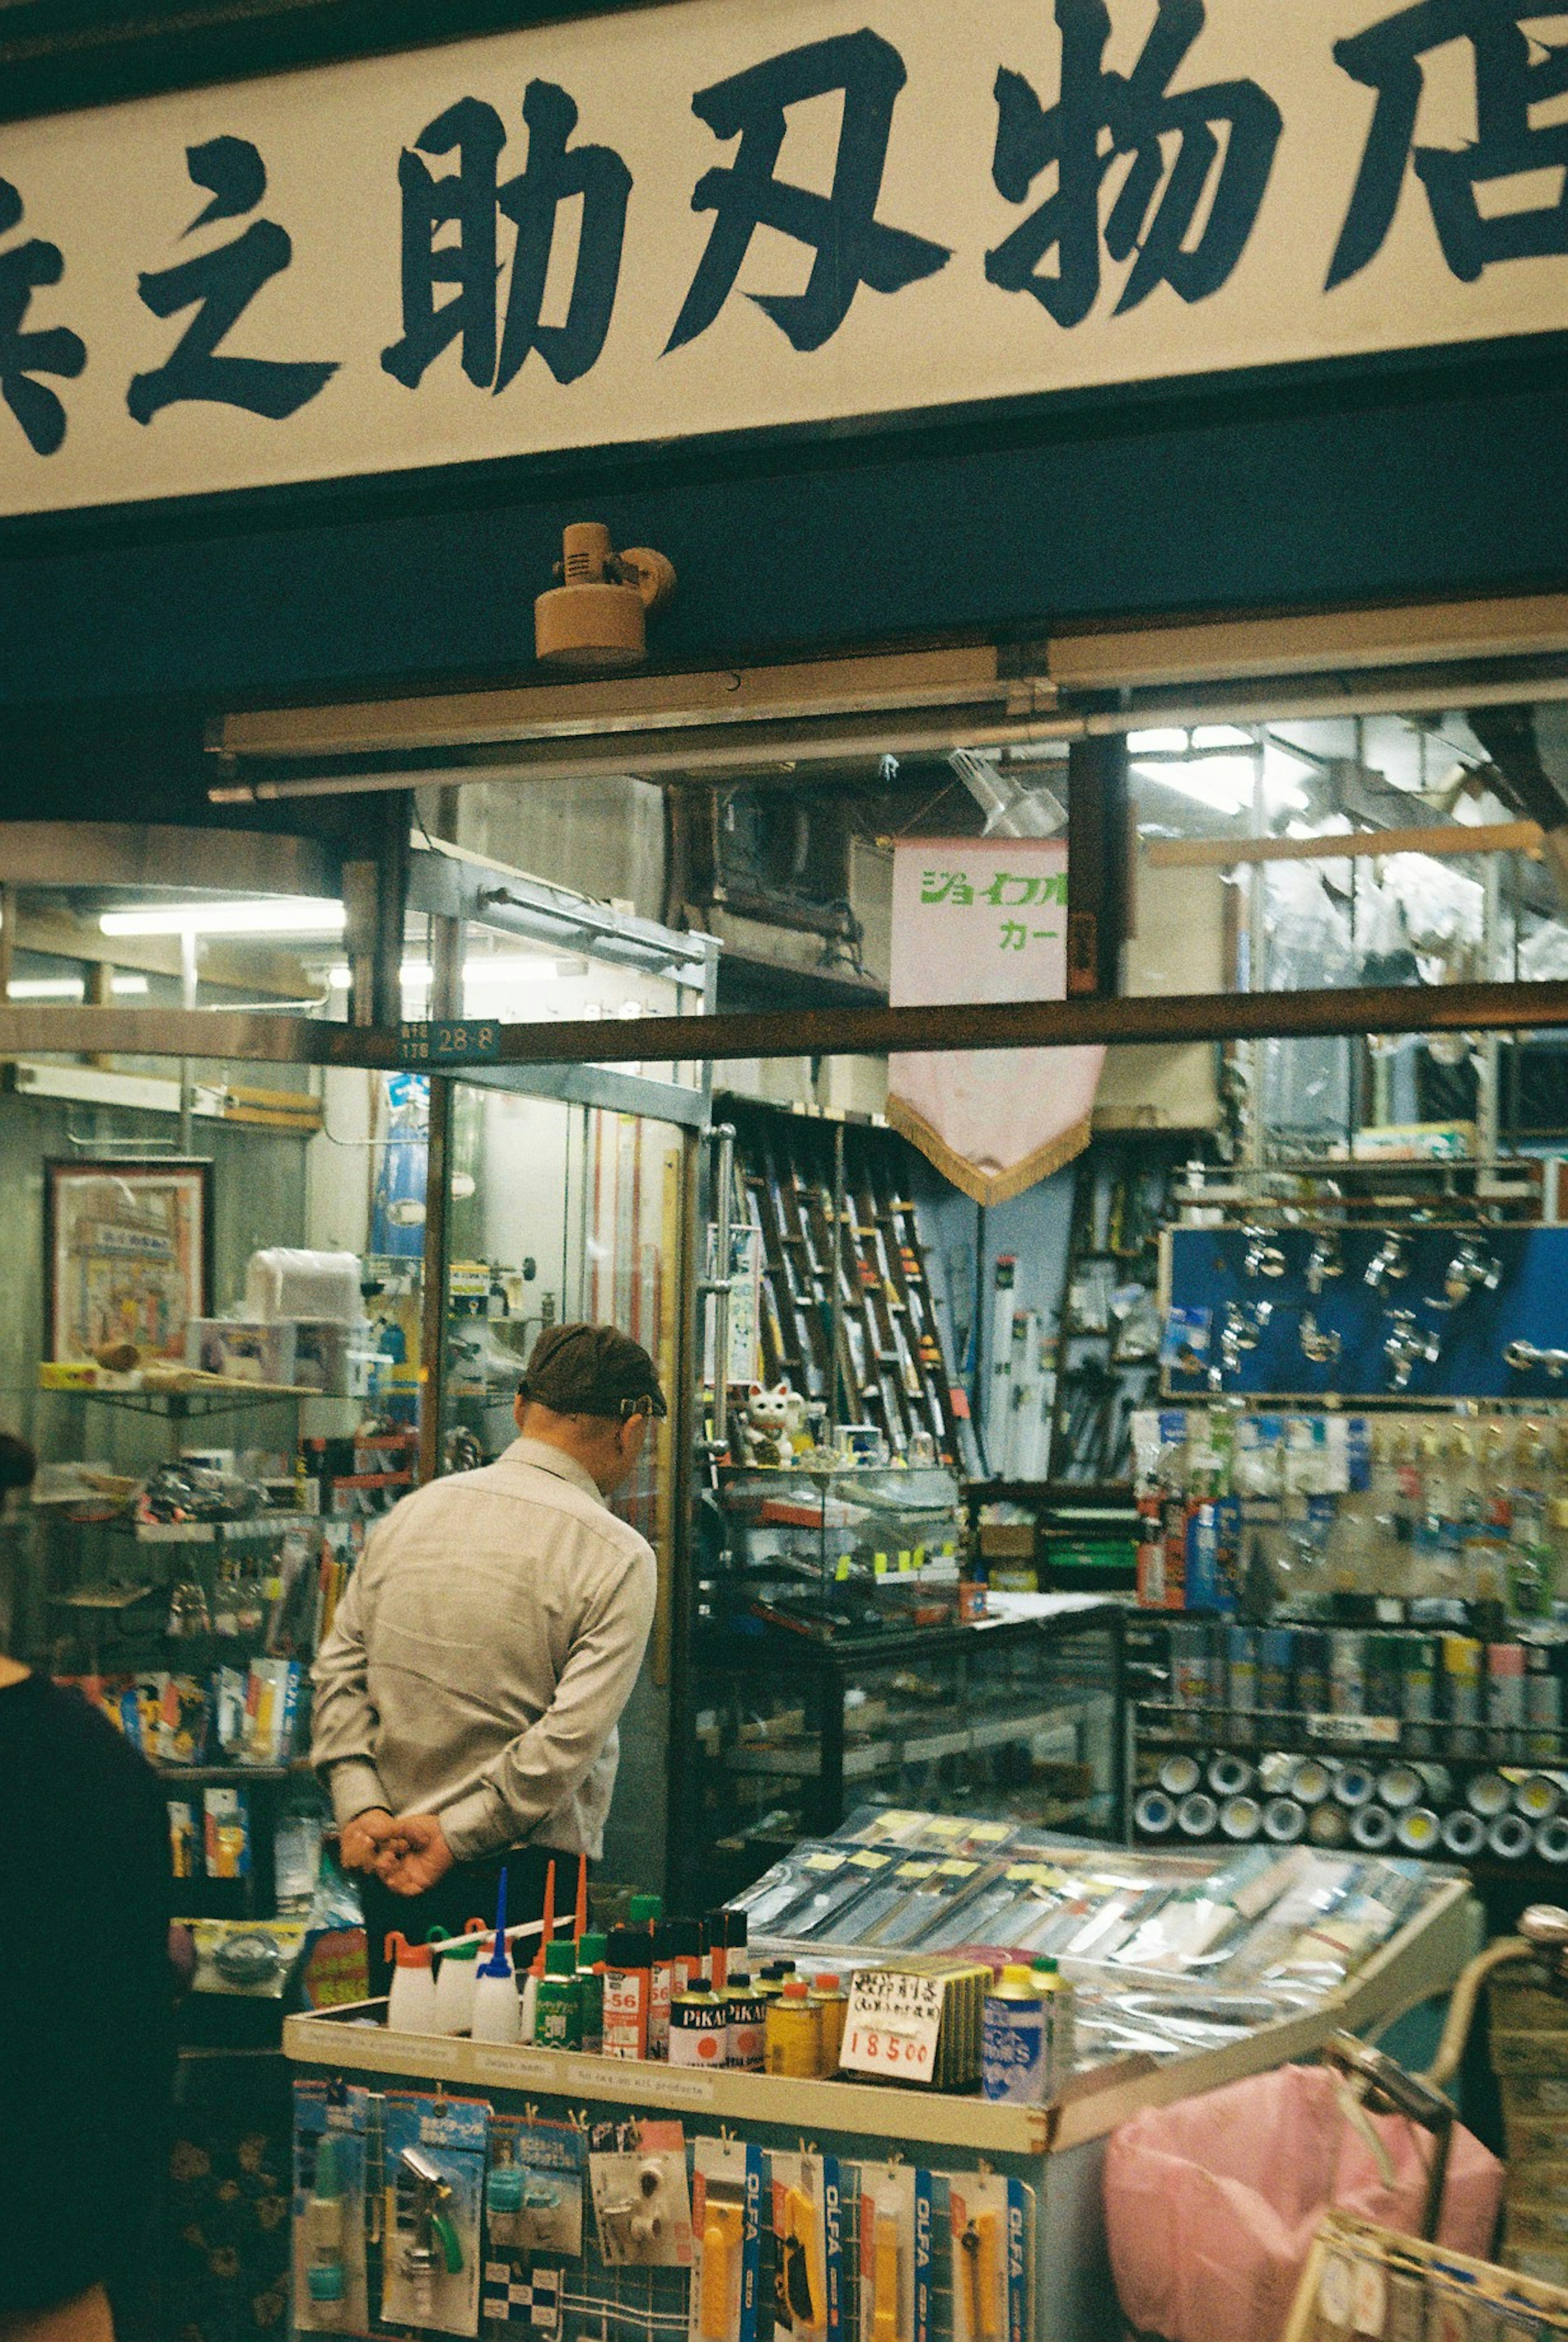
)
(1056, 2152)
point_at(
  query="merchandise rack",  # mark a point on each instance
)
(1057, 2151)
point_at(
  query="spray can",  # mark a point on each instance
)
(628, 1978)
(684, 1938)
(727, 1934)
(698, 2025)
(1013, 2052)
(411, 2003)
(742, 2023)
(1543, 1702)
(1461, 1693)
(590, 1986)
(1311, 1670)
(558, 2010)
(833, 2002)
(1505, 1699)
(792, 2032)
(1418, 1690)
(1061, 2000)
(1347, 1673)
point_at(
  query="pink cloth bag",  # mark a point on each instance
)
(1211, 2204)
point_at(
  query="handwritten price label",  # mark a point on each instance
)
(892, 2025)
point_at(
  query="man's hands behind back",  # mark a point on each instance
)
(413, 1853)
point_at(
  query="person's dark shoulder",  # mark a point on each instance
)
(52, 1728)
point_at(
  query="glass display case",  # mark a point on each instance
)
(832, 1552)
(1015, 1718)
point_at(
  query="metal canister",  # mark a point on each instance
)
(1155, 1813)
(1311, 1781)
(833, 2000)
(1399, 1787)
(1511, 1838)
(792, 2033)
(1197, 1816)
(1347, 1673)
(1229, 1775)
(1537, 1796)
(1464, 1833)
(1488, 1795)
(1371, 1829)
(698, 2026)
(1284, 1820)
(1551, 1839)
(1354, 1784)
(1241, 1818)
(1328, 1825)
(1180, 1776)
(742, 2023)
(1418, 1830)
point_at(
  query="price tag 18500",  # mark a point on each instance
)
(892, 2025)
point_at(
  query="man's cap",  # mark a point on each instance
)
(592, 1371)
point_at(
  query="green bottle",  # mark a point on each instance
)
(558, 2017)
(592, 1945)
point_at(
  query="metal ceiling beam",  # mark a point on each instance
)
(814, 1032)
(142, 855)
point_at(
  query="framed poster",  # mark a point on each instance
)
(128, 1255)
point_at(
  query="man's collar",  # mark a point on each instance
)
(547, 1457)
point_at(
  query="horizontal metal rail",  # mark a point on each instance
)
(1185, 1017)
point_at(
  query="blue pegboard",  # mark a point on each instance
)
(1207, 1271)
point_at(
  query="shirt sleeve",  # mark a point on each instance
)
(546, 1764)
(343, 1718)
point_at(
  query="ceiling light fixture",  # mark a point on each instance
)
(273, 914)
(71, 988)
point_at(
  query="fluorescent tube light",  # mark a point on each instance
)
(71, 988)
(275, 915)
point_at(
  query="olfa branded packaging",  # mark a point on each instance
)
(434, 2158)
(991, 2220)
(808, 2248)
(727, 2182)
(895, 2253)
(330, 2293)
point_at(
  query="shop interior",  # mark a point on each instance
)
(1162, 1568)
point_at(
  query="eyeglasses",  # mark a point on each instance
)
(645, 1404)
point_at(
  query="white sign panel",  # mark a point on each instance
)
(726, 214)
(986, 919)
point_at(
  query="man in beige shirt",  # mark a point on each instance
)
(467, 1698)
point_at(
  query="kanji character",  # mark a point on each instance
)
(220, 286)
(1509, 83)
(1161, 195)
(851, 245)
(52, 349)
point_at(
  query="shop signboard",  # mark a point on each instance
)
(735, 214)
(984, 919)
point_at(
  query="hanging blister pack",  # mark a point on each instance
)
(640, 2201)
(434, 2156)
(895, 2253)
(808, 2248)
(533, 2188)
(992, 2220)
(727, 2182)
(330, 2291)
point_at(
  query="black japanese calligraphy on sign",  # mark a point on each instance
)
(1509, 82)
(1102, 114)
(469, 200)
(219, 286)
(850, 246)
(52, 349)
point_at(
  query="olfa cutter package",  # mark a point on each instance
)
(992, 2220)
(727, 2182)
(808, 2248)
(330, 2295)
(434, 2156)
(895, 2253)
(640, 2201)
(534, 2189)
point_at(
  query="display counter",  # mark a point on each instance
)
(1046, 2158)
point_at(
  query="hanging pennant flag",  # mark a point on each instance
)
(985, 920)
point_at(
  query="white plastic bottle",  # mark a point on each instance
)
(455, 1981)
(411, 2004)
(497, 2010)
